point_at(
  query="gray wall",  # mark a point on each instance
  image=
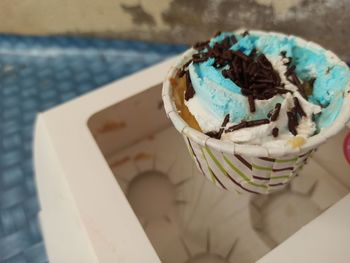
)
(324, 21)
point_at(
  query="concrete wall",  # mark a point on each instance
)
(324, 21)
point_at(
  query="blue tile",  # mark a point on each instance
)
(11, 141)
(11, 113)
(40, 73)
(13, 196)
(10, 177)
(10, 158)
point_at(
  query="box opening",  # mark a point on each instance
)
(188, 219)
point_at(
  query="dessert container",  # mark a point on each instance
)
(116, 184)
(243, 167)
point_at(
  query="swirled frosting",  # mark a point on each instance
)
(216, 95)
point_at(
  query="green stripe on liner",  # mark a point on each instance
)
(233, 167)
(212, 175)
(211, 172)
(286, 161)
(191, 152)
(218, 164)
(241, 174)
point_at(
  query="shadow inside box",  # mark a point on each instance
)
(186, 218)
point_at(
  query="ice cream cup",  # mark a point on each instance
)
(247, 168)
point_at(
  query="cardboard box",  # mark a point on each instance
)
(116, 184)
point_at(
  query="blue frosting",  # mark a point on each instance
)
(331, 77)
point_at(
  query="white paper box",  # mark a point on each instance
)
(116, 140)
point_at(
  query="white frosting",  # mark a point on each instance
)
(206, 120)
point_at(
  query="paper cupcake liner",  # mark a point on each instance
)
(244, 173)
(243, 167)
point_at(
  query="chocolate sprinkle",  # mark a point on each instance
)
(293, 78)
(245, 124)
(275, 132)
(292, 122)
(251, 103)
(200, 45)
(226, 120)
(264, 62)
(181, 72)
(238, 126)
(297, 82)
(187, 64)
(241, 55)
(233, 40)
(218, 33)
(217, 134)
(298, 107)
(290, 70)
(245, 33)
(276, 112)
(189, 93)
(214, 134)
(257, 122)
(254, 74)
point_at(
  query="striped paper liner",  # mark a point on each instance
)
(242, 173)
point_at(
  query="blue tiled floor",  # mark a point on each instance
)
(37, 73)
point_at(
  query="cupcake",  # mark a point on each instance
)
(253, 105)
